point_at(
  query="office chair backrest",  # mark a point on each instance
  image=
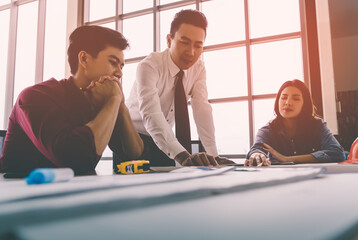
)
(2, 140)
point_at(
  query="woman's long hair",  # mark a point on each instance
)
(308, 112)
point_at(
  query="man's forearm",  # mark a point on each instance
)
(132, 144)
(102, 125)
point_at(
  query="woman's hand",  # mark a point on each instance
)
(257, 159)
(278, 156)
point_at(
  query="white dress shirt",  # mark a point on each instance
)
(151, 102)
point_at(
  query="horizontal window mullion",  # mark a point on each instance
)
(274, 38)
(225, 46)
(242, 98)
(21, 2)
(5, 7)
(176, 5)
(137, 13)
(134, 60)
(102, 21)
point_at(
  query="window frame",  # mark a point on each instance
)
(304, 6)
(13, 6)
(78, 14)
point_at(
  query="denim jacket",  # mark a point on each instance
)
(321, 143)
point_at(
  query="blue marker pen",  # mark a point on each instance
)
(49, 175)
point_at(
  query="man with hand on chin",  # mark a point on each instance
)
(163, 80)
(69, 123)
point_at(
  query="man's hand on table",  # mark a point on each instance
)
(201, 159)
(223, 161)
(197, 159)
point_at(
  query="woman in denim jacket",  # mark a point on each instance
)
(296, 134)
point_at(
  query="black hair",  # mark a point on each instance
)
(307, 116)
(188, 16)
(92, 39)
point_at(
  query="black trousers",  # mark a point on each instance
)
(151, 152)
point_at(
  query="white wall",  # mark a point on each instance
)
(326, 64)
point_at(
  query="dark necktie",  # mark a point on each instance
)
(182, 126)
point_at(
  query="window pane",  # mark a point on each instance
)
(273, 17)
(4, 29)
(102, 9)
(193, 130)
(26, 47)
(111, 25)
(263, 112)
(166, 18)
(55, 39)
(139, 32)
(231, 79)
(162, 2)
(224, 29)
(129, 75)
(231, 127)
(4, 2)
(274, 63)
(131, 6)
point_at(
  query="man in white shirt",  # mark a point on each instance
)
(151, 101)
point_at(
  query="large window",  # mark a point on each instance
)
(25, 61)
(4, 29)
(36, 50)
(252, 47)
(55, 39)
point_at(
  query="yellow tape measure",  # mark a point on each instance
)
(134, 167)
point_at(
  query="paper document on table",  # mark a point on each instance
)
(18, 190)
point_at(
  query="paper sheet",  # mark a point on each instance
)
(92, 195)
(19, 190)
